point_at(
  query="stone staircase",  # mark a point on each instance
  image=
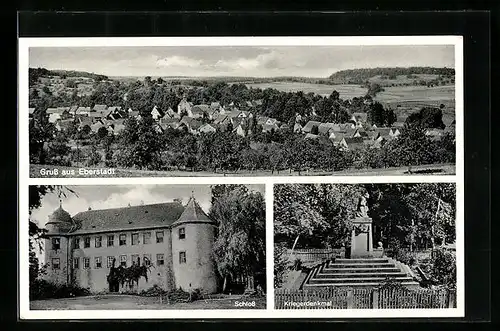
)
(361, 272)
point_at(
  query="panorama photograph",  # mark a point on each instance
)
(146, 247)
(365, 246)
(183, 111)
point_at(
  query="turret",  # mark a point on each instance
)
(57, 246)
(193, 236)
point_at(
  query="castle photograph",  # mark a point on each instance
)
(365, 246)
(156, 246)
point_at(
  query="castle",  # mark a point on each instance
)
(174, 240)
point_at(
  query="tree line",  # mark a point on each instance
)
(139, 145)
(359, 76)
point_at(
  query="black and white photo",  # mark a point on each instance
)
(365, 246)
(147, 247)
(185, 111)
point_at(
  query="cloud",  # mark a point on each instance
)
(265, 60)
(106, 198)
(178, 61)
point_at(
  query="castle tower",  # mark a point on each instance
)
(193, 236)
(57, 246)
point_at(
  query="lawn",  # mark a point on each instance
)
(438, 169)
(110, 301)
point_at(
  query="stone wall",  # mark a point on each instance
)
(96, 278)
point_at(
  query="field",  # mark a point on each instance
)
(345, 91)
(416, 94)
(138, 302)
(402, 79)
(437, 169)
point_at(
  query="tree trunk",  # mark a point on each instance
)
(294, 243)
(225, 284)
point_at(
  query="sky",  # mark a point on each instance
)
(243, 61)
(114, 196)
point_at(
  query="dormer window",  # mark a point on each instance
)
(182, 233)
(56, 243)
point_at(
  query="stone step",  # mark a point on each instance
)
(361, 274)
(358, 265)
(359, 270)
(355, 280)
(408, 284)
(362, 260)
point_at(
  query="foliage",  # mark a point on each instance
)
(313, 215)
(127, 275)
(280, 264)
(444, 268)
(297, 264)
(139, 145)
(240, 245)
(380, 116)
(427, 117)
(373, 89)
(358, 76)
(41, 289)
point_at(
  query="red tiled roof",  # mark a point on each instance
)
(128, 218)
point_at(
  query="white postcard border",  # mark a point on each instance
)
(270, 311)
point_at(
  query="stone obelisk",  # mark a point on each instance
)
(361, 235)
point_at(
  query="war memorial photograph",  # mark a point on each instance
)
(365, 246)
(147, 247)
(183, 111)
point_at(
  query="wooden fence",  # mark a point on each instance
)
(315, 254)
(364, 298)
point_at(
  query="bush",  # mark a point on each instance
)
(280, 264)
(297, 264)
(406, 257)
(41, 289)
(444, 268)
(195, 295)
(153, 291)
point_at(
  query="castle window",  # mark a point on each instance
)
(135, 238)
(56, 243)
(136, 259)
(86, 263)
(76, 243)
(182, 233)
(56, 263)
(147, 259)
(111, 241)
(182, 257)
(159, 237)
(123, 239)
(76, 263)
(110, 261)
(146, 238)
(86, 242)
(160, 259)
(98, 262)
(123, 260)
(98, 241)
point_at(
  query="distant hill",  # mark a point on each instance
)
(360, 76)
(35, 73)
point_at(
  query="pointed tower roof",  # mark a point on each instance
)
(193, 213)
(60, 221)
